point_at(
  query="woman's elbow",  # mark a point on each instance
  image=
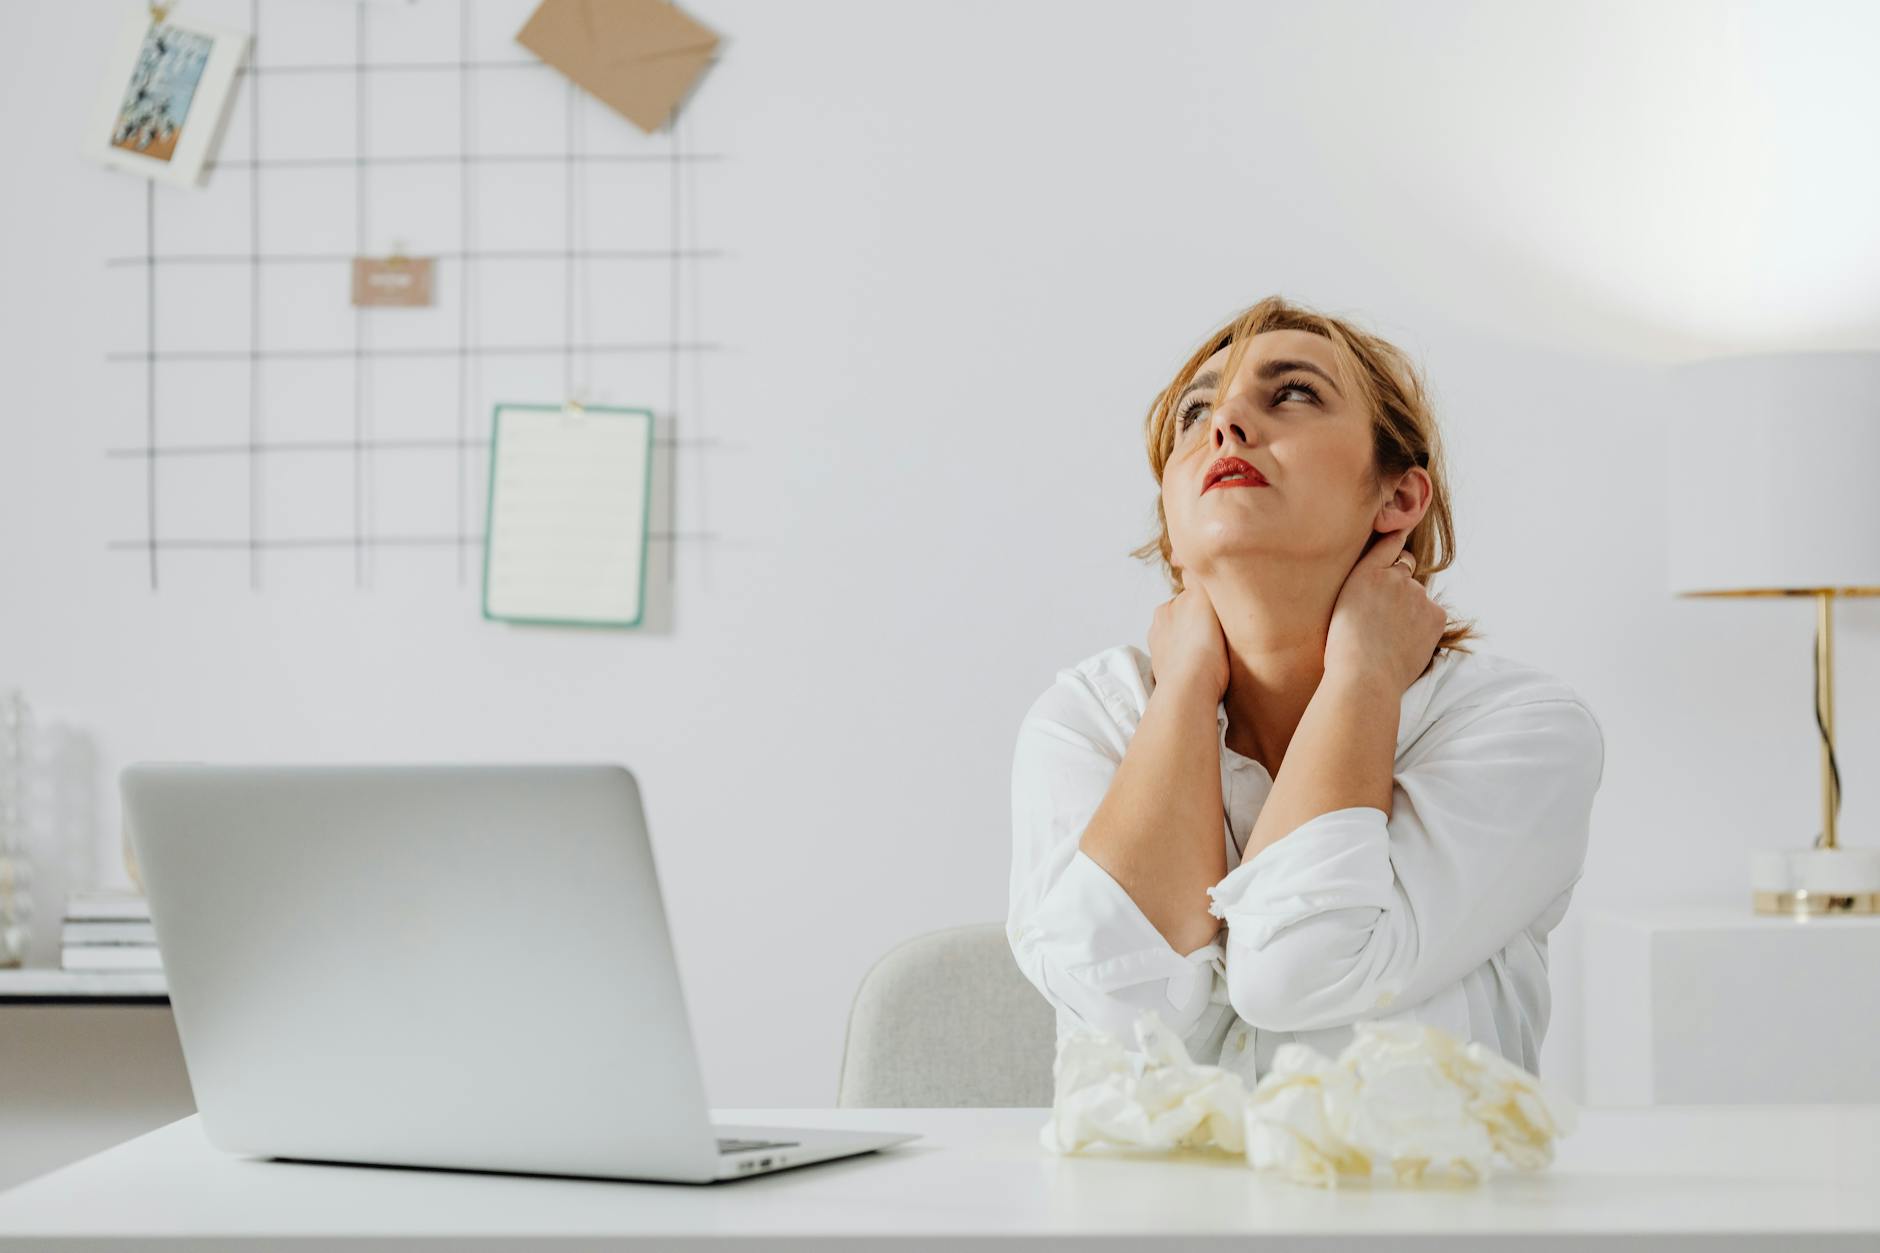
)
(1294, 984)
(1266, 998)
(1178, 1003)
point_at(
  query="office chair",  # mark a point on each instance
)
(947, 1020)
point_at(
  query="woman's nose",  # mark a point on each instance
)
(1228, 420)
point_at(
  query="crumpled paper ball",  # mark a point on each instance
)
(1155, 1098)
(1402, 1097)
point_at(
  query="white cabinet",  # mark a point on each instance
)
(1716, 1004)
(87, 1060)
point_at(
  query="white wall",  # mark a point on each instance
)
(967, 243)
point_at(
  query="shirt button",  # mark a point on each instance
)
(1240, 1042)
(1385, 998)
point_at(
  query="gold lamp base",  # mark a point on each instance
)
(1803, 903)
(1826, 878)
(1813, 882)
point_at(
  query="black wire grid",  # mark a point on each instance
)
(466, 540)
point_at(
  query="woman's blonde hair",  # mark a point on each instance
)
(1389, 387)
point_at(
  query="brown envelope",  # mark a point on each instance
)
(639, 57)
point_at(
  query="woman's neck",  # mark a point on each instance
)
(1274, 618)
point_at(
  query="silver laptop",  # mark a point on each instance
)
(460, 966)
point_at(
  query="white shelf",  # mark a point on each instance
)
(43, 984)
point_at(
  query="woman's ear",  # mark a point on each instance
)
(1407, 504)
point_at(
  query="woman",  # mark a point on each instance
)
(1307, 804)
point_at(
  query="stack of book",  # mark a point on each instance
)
(108, 930)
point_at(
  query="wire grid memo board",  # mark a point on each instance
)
(273, 417)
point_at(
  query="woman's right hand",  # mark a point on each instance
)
(1186, 644)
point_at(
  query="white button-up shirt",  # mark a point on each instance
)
(1437, 912)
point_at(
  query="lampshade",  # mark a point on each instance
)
(1772, 463)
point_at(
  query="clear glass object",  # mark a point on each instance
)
(16, 752)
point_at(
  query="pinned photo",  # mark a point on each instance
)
(165, 99)
(156, 104)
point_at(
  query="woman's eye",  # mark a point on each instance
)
(1292, 385)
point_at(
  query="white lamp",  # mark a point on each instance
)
(1772, 460)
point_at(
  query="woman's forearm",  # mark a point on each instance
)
(1343, 753)
(1159, 829)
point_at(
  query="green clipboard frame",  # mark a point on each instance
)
(646, 504)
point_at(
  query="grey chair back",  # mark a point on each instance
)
(946, 1019)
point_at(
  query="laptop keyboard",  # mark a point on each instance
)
(728, 1144)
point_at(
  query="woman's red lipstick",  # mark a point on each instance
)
(1218, 474)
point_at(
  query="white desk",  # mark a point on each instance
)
(1732, 1176)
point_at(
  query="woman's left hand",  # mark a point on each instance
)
(1384, 625)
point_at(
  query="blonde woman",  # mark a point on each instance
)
(1308, 803)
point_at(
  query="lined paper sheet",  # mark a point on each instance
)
(569, 494)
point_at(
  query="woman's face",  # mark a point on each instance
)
(1299, 425)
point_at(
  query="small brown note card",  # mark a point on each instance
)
(400, 281)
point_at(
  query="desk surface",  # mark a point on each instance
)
(978, 1178)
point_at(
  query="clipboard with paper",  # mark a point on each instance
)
(569, 501)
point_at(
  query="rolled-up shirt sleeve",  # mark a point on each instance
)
(1358, 913)
(1077, 935)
